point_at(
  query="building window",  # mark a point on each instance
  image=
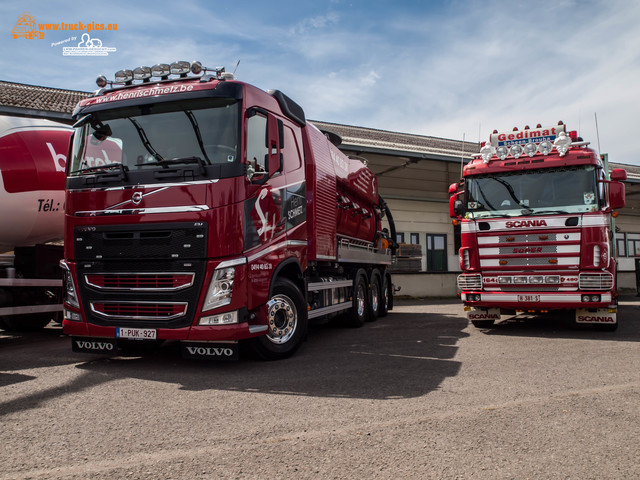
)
(633, 248)
(621, 245)
(415, 238)
(436, 253)
(399, 237)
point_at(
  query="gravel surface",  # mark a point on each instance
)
(418, 394)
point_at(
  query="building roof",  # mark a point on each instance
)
(407, 144)
(37, 101)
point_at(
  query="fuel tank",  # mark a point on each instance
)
(33, 157)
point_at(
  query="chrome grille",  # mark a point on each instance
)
(140, 310)
(596, 281)
(470, 282)
(140, 282)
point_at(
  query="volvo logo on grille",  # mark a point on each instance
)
(136, 198)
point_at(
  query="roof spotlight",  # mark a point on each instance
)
(101, 81)
(161, 70)
(142, 73)
(124, 76)
(180, 68)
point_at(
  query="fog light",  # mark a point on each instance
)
(586, 298)
(220, 319)
(73, 316)
(502, 152)
(595, 298)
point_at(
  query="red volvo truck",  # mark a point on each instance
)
(204, 210)
(33, 155)
(536, 211)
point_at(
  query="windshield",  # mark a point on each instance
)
(148, 137)
(533, 192)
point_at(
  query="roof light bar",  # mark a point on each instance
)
(530, 141)
(163, 71)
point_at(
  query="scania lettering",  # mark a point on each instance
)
(536, 212)
(526, 223)
(33, 156)
(221, 217)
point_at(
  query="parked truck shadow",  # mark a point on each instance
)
(403, 355)
(564, 326)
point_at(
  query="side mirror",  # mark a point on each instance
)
(617, 194)
(456, 207)
(618, 174)
(453, 188)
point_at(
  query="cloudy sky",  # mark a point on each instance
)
(451, 69)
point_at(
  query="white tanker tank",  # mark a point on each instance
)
(33, 154)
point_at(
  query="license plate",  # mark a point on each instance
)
(528, 298)
(136, 333)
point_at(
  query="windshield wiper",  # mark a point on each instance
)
(109, 166)
(551, 212)
(177, 161)
(196, 129)
(145, 140)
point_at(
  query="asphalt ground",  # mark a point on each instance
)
(418, 394)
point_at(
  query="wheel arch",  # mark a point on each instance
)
(291, 270)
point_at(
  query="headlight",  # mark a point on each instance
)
(70, 294)
(220, 288)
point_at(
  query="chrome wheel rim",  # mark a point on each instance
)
(283, 319)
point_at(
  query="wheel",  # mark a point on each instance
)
(287, 322)
(482, 323)
(26, 323)
(375, 297)
(359, 309)
(387, 297)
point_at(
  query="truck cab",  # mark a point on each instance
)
(536, 209)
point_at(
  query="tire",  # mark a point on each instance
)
(359, 312)
(387, 297)
(375, 297)
(287, 317)
(26, 323)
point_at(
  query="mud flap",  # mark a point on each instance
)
(227, 351)
(104, 346)
(596, 316)
(483, 314)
